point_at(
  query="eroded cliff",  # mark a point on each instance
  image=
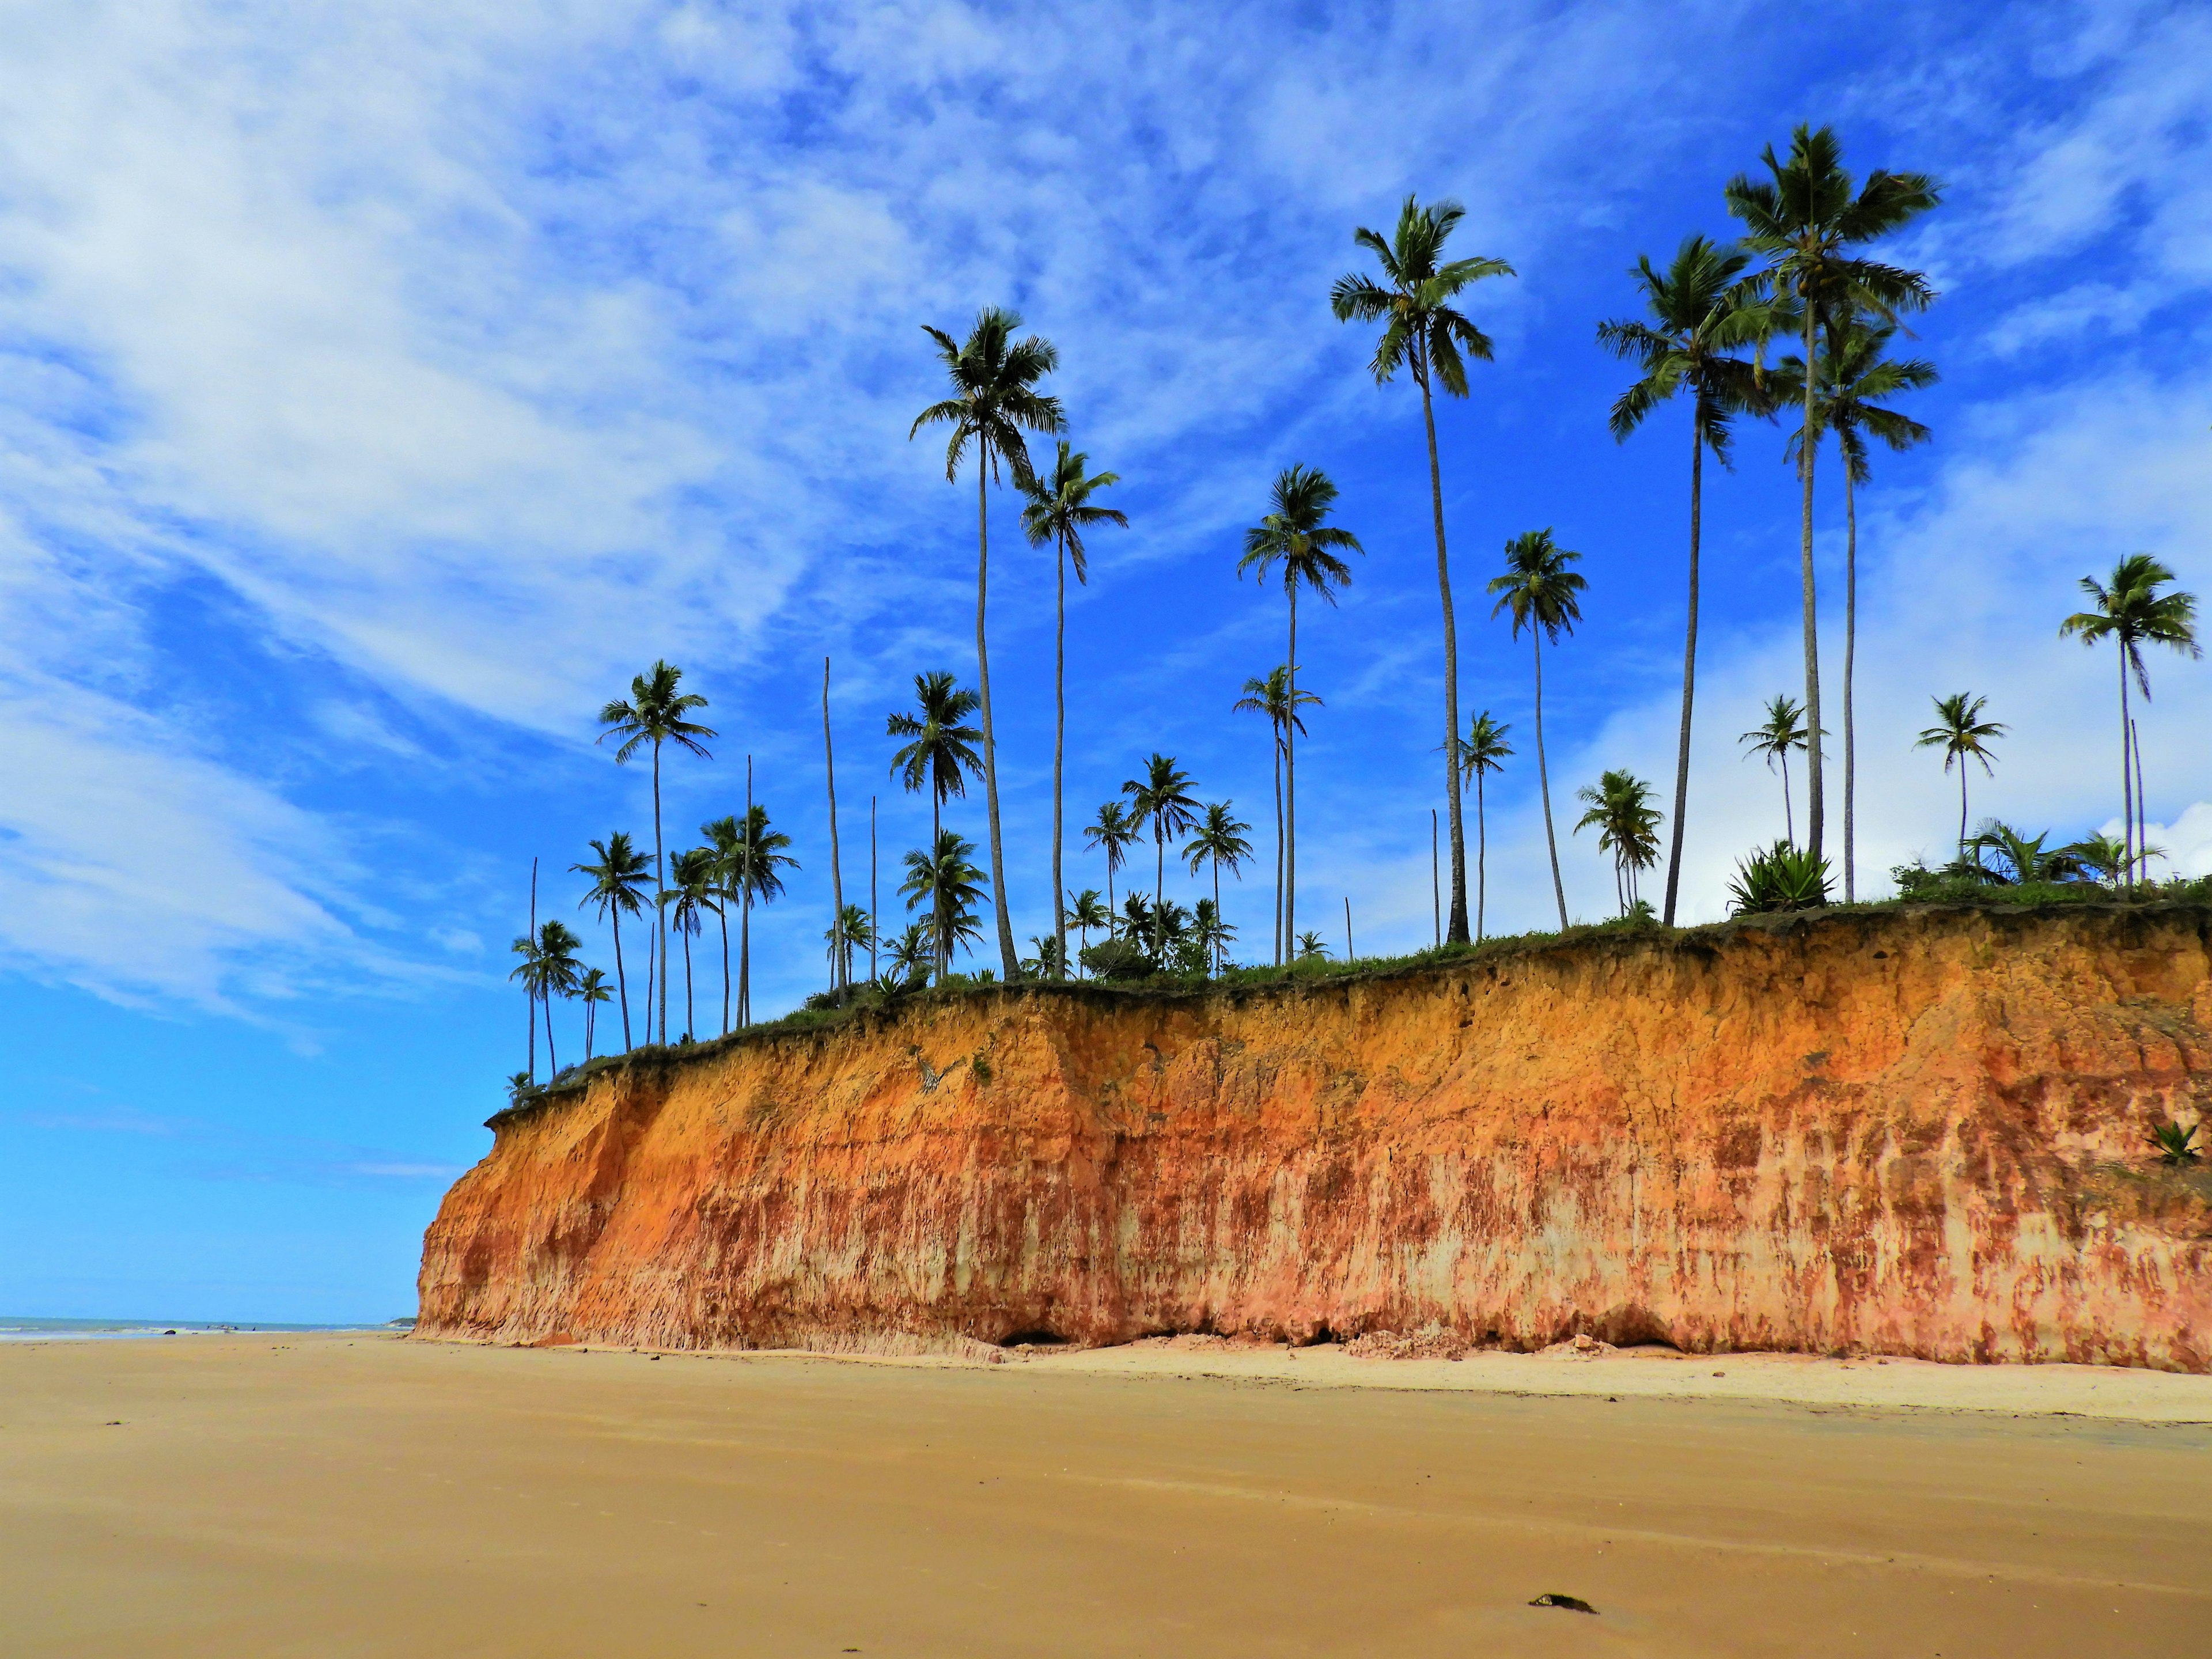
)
(1908, 1133)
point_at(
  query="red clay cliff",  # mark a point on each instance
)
(1915, 1133)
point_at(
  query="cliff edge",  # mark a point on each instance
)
(1915, 1132)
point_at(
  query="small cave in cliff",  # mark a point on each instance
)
(1039, 1338)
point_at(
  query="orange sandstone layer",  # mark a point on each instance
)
(1917, 1133)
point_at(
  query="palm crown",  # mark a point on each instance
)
(1422, 331)
(1057, 507)
(1219, 836)
(1960, 731)
(1297, 533)
(1807, 218)
(1271, 695)
(619, 879)
(1853, 378)
(1162, 798)
(750, 863)
(2132, 611)
(1702, 310)
(1779, 734)
(940, 754)
(1113, 833)
(994, 396)
(656, 713)
(1537, 586)
(1484, 748)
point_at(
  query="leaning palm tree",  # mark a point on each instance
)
(1162, 798)
(1084, 912)
(1483, 750)
(1540, 592)
(1620, 811)
(1703, 314)
(1297, 533)
(947, 881)
(656, 713)
(1854, 378)
(1113, 833)
(1424, 334)
(2132, 613)
(1771, 740)
(751, 874)
(994, 399)
(939, 753)
(1219, 839)
(693, 896)
(1272, 697)
(617, 889)
(1059, 511)
(591, 991)
(1962, 734)
(1809, 219)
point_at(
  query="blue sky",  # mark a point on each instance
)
(380, 387)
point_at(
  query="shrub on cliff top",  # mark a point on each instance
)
(1783, 878)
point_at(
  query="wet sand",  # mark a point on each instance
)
(362, 1496)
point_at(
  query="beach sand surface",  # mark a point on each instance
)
(360, 1495)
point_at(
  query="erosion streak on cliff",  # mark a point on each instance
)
(1910, 1132)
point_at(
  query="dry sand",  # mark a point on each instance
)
(343, 1496)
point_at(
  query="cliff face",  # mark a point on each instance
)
(1913, 1134)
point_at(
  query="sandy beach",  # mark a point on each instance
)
(367, 1495)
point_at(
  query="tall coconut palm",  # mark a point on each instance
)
(995, 400)
(1962, 734)
(1298, 535)
(1483, 750)
(617, 889)
(1084, 912)
(947, 881)
(1219, 839)
(1620, 811)
(724, 836)
(2131, 612)
(939, 753)
(1272, 697)
(1703, 313)
(691, 899)
(1162, 798)
(657, 714)
(1425, 335)
(1772, 740)
(1113, 832)
(548, 969)
(1058, 512)
(751, 872)
(1854, 379)
(1809, 221)
(1541, 593)
(591, 991)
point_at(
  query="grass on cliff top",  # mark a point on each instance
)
(866, 999)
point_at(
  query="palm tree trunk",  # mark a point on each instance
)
(1962, 807)
(1689, 655)
(1851, 654)
(1805, 450)
(1008, 961)
(1279, 851)
(941, 947)
(1159, 888)
(2127, 771)
(1481, 857)
(589, 1022)
(1544, 780)
(1291, 790)
(690, 1025)
(747, 877)
(875, 916)
(659, 891)
(1458, 932)
(1059, 751)
(1788, 811)
(530, 990)
(840, 974)
(621, 980)
(2142, 803)
(722, 915)
(1220, 943)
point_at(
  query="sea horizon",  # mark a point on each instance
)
(25, 1328)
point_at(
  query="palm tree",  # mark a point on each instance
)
(913, 953)
(1298, 534)
(1424, 334)
(723, 835)
(1211, 934)
(1138, 917)
(1162, 798)
(851, 932)
(1807, 220)
(549, 969)
(994, 399)
(1219, 840)
(2133, 613)
(697, 872)
(617, 889)
(1539, 591)
(1854, 379)
(1483, 750)
(655, 715)
(2108, 858)
(1702, 314)
(1059, 512)
(592, 990)
(530, 972)
(1620, 811)
(1962, 734)
(1771, 740)
(949, 883)
(1085, 912)
(751, 872)
(1272, 697)
(1113, 833)
(1310, 949)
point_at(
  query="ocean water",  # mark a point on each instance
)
(14, 1328)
